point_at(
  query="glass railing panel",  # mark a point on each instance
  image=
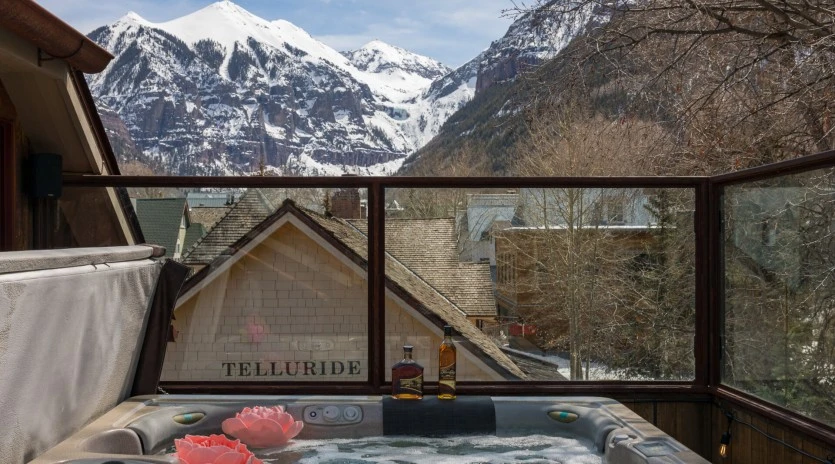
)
(284, 300)
(779, 301)
(544, 284)
(278, 291)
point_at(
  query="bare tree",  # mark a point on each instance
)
(780, 302)
(593, 286)
(734, 83)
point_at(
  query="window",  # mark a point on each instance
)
(779, 302)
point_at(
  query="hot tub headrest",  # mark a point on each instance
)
(432, 417)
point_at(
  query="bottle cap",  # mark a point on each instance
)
(447, 330)
(407, 348)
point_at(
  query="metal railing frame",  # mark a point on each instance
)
(708, 282)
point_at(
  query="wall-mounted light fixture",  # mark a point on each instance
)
(724, 442)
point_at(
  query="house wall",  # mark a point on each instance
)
(17, 221)
(81, 217)
(301, 312)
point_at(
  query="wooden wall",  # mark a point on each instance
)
(700, 425)
(750, 446)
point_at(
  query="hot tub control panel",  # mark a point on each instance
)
(333, 414)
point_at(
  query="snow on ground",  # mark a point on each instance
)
(597, 371)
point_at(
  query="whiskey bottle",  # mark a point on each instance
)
(446, 366)
(407, 377)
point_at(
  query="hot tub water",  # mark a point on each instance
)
(375, 429)
(534, 449)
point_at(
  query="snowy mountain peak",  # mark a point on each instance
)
(226, 10)
(222, 91)
(378, 56)
(381, 46)
(224, 22)
(132, 18)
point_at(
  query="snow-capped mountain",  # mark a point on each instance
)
(398, 72)
(222, 91)
(532, 39)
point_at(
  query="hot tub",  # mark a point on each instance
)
(137, 430)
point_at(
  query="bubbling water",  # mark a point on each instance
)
(533, 449)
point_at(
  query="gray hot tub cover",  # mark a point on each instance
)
(70, 325)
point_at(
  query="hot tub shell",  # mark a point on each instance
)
(136, 429)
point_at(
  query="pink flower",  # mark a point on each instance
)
(263, 427)
(214, 449)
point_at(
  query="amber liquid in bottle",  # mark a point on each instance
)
(407, 378)
(446, 367)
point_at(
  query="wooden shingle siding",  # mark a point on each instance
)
(429, 247)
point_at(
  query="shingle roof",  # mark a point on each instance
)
(208, 216)
(437, 308)
(535, 369)
(429, 247)
(160, 220)
(250, 210)
(194, 232)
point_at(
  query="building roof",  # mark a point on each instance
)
(160, 219)
(194, 232)
(32, 22)
(493, 199)
(208, 216)
(212, 200)
(400, 280)
(534, 368)
(429, 247)
(249, 211)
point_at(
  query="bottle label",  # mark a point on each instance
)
(449, 384)
(447, 372)
(413, 385)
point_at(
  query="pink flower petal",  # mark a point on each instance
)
(266, 427)
(233, 426)
(294, 430)
(201, 455)
(232, 457)
(285, 420)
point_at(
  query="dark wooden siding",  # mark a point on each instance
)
(700, 425)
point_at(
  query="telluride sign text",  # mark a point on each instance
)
(289, 368)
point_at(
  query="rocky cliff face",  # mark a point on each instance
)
(532, 39)
(487, 122)
(224, 92)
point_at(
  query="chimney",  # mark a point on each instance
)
(345, 204)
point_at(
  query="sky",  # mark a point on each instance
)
(450, 31)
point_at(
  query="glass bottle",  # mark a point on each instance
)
(446, 366)
(407, 377)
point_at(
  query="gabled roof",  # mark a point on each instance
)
(400, 280)
(160, 219)
(429, 247)
(250, 210)
(32, 22)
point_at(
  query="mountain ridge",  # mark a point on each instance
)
(222, 91)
